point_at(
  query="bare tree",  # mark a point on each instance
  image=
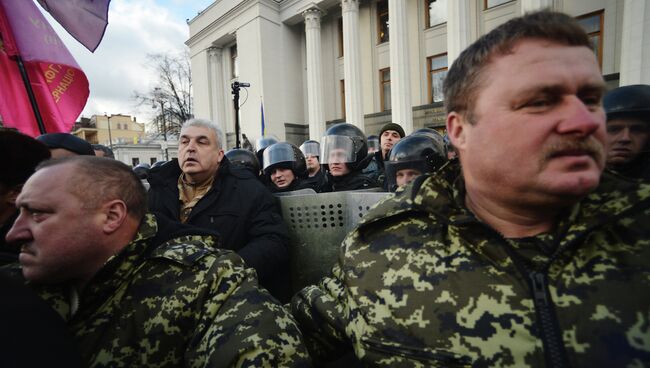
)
(171, 95)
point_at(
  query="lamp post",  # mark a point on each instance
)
(110, 138)
(158, 95)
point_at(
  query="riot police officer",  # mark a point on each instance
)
(628, 130)
(411, 157)
(316, 177)
(285, 167)
(344, 152)
(244, 158)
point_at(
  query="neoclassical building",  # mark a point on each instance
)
(311, 63)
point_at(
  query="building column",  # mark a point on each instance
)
(316, 115)
(215, 75)
(400, 76)
(532, 5)
(458, 28)
(352, 63)
(635, 43)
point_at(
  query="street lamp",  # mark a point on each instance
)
(158, 95)
(110, 138)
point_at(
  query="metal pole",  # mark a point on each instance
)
(110, 138)
(30, 94)
(235, 92)
(164, 126)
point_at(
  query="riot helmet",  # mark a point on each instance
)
(373, 144)
(417, 152)
(429, 132)
(286, 156)
(310, 148)
(345, 143)
(261, 144)
(158, 164)
(631, 100)
(240, 157)
(142, 170)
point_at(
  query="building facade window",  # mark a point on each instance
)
(492, 3)
(340, 36)
(152, 160)
(437, 71)
(435, 12)
(234, 65)
(382, 21)
(593, 25)
(384, 88)
(135, 161)
(342, 83)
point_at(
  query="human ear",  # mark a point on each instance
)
(115, 212)
(456, 129)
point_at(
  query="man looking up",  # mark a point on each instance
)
(628, 130)
(522, 255)
(137, 289)
(201, 188)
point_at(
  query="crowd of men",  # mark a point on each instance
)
(522, 251)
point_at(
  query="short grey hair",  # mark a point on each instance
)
(205, 123)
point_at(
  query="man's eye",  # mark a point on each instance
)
(614, 129)
(542, 102)
(38, 216)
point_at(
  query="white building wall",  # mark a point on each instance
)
(270, 37)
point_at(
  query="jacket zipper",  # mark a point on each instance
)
(554, 353)
(549, 330)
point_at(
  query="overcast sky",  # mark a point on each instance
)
(117, 67)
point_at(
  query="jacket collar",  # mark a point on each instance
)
(443, 196)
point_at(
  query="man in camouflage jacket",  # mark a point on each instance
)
(167, 298)
(524, 257)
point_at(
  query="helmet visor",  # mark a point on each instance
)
(337, 149)
(310, 149)
(278, 153)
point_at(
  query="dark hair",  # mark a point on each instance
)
(466, 73)
(19, 156)
(97, 180)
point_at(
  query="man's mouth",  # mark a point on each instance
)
(190, 160)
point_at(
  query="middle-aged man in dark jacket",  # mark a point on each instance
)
(523, 255)
(137, 289)
(201, 188)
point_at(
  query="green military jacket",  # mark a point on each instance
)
(180, 304)
(423, 283)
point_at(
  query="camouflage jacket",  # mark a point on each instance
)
(181, 303)
(422, 282)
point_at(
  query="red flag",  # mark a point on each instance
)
(60, 88)
(85, 20)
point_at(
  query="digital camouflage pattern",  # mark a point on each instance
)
(421, 282)
(182, 304)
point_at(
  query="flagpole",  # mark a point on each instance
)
(30, 93)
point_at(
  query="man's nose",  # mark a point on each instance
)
(19, 230)
(579, 119)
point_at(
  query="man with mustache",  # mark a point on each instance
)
(522, 255)
(203, 189)
(628, 130)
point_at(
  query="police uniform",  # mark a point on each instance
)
(170, 300)
(423, 283)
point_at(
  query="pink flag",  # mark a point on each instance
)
(85, 20)
(60, 87)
